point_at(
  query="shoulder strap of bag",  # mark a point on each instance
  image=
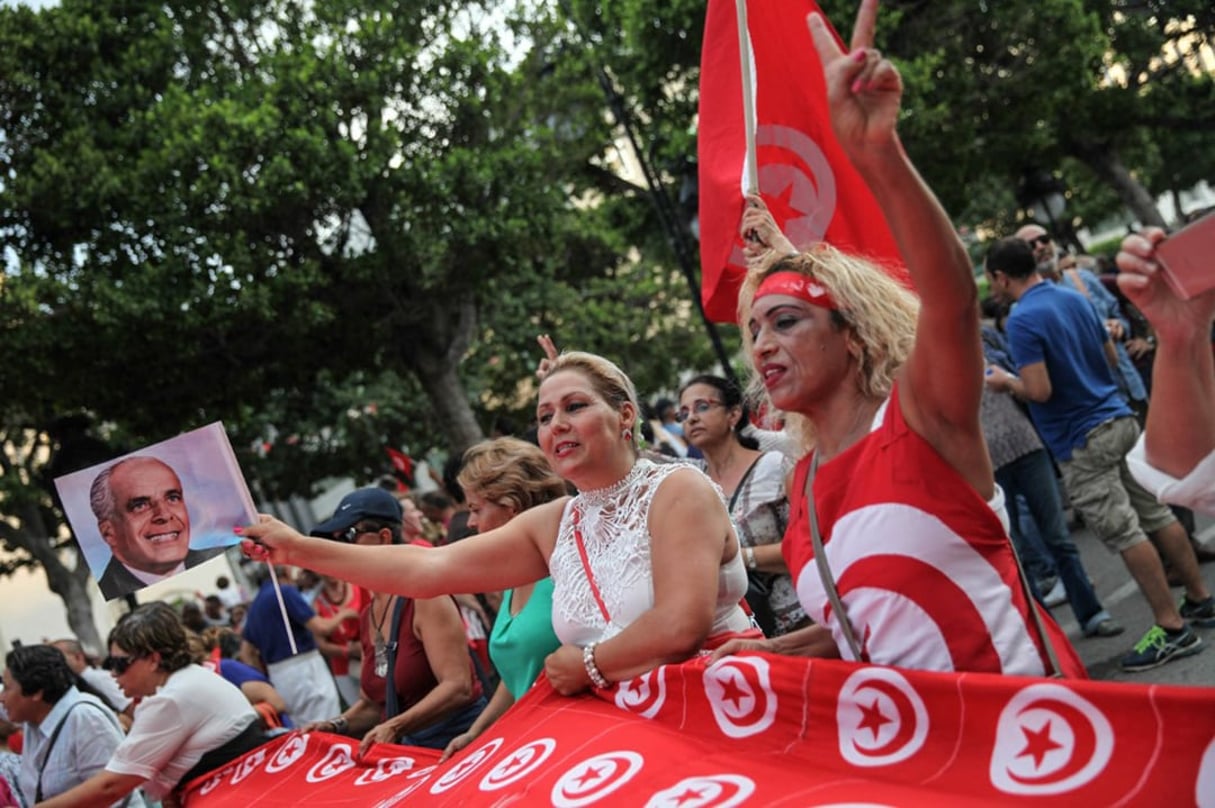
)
(824, 571)
(742, 482)
(391, 706)
(50, 746)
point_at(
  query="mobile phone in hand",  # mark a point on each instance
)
(1187, 258)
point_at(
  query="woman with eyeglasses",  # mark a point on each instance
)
(187, 722)
(501, 478)
(714, 416)
(418, 684)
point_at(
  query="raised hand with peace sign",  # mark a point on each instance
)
(864, 88)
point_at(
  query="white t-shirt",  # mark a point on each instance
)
(1196, 491)
(194, 712)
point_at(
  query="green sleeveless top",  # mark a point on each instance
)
(519, 643)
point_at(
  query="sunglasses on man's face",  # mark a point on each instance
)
(1040, 241)
(118, 665)
(352, 533)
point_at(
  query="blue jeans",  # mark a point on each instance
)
(1033, 477)
(439, 735)
(1035, 558)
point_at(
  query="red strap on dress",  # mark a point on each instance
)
(586, 566)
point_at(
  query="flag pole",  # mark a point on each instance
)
(744, 57)
(282, 607)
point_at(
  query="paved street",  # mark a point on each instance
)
(1121, 597)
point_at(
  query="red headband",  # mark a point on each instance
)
(796, 285)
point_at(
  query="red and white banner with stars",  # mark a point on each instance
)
(764, 730)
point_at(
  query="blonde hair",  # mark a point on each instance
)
(607, 380)
(510, 472)
(880, 313)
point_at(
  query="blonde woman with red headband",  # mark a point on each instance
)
(903, 556)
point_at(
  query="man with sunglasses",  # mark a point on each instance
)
(302, 676)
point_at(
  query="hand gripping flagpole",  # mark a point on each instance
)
(744, 57)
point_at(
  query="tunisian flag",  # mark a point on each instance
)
(805, 178)
(761, 730)
(402, 467)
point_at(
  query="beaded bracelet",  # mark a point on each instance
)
(588, 659)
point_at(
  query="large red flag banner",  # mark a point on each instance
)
(805, 178)
(775, 731)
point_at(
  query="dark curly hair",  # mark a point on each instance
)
(154, 628)
(40, 668)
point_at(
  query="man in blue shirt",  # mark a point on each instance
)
(1059, 267)
(1064, 360)
(301, 675)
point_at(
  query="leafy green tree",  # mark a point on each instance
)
(335, 226)
(206, 205)
(31, 532)
(1000, 89)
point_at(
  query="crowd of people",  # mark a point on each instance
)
(907, 513)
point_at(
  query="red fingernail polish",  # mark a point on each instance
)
(858, 55)
(238, 530)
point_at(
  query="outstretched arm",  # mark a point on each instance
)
(942, 381)
(498, 559)
(104, 788)
(1181, 421)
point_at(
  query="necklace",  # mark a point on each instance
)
(602, 496)
(335, 602)
(381, 647)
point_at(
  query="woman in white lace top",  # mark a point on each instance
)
(645, 563)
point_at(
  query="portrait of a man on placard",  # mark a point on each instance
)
(142, 516)
(153, 514)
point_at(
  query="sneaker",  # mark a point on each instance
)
(1104, 627)
(1201, 614)
(1057, 595)
(1159, 646)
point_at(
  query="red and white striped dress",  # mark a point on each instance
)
(923, 565)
